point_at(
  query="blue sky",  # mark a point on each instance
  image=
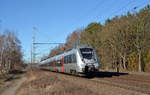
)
(55, 19)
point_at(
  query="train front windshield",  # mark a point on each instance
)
(87, 53)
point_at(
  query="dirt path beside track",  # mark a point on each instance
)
(14, 87)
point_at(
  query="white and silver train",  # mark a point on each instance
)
(80, 59)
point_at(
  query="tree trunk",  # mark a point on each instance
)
(140, 63)
(124, 62)
(117, 66)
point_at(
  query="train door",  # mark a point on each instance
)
(66, 64)
(73, 62)
(54, 65)
(62, 64)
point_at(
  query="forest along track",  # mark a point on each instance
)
(136, 83)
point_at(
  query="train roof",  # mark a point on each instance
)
(82, 46)
(76, 47)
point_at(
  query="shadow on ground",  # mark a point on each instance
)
(15, 74)
(100, 74)
(104, 74)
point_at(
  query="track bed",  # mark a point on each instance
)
(51, 83)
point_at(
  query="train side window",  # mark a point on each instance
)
(74, 58)
(56, 62)
(60, 62)
(65, 60)
(50, 63)
(68, 59)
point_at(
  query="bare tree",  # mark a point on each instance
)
(10, 51)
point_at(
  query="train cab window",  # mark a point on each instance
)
(87, 53)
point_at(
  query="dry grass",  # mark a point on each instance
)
(43, 84)
(49, 83)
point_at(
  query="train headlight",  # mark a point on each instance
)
(95, 60)
(83, 61)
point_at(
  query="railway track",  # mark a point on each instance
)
(140, 78)
(126, 82)
(144, 90)
(129, 82)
